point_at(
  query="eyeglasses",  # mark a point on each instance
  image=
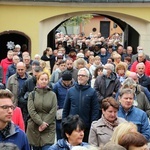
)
(82, 75)
(7, 107)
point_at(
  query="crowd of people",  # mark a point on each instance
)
(89, 92)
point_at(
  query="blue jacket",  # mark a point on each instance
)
(104, 58)
(82, 100)
(138, 117)
(11, 70)
(17, 137)
(62, 145)
(61, 91)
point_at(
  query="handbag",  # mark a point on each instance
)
(59, 114)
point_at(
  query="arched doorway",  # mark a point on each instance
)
(131, 36)
(17, 38)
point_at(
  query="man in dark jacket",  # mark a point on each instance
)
(107, 84)
(28, 87)
(143, 79)
(82, 100)
(60, 89)
(12, 68)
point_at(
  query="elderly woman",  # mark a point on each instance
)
(121, 72)
(102, 130)
(80, 63)
(72, 133)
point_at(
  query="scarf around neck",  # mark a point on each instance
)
(110, 124)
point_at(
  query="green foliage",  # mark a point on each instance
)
(77, 21)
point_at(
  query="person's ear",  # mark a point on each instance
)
(67, 135)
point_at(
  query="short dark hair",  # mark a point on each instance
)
(62, 62)
(38, 69)
(109, 101)
(97, 69)
(71, 123)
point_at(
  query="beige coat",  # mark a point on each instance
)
(13, 85)
(42, 108)
(100, 134)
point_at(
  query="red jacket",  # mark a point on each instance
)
(5, 63)
(147, 67)
(17, 118)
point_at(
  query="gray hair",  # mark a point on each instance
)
(128, 82)
(140, 64)
(84, 69)
(110, 66)
(126, 91)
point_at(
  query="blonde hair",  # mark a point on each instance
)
(42, 73)
(79, 61)
(115, 56)
(42, 63)
(128, 83)
(121, 130)
(97, 58)
(121, 66)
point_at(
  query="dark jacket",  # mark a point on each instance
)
(82, 100)
(28, 86)
(61, 91)
(17, 137)
(100, 86)
(62, 145)
(145, 81)
(74, 73)
(11, 70)
(51, 60)
(104, 58)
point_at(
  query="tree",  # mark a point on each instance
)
(77, 21)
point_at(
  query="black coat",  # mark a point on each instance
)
(51, 60)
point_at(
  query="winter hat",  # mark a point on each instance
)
(66, 76)
(36, 63)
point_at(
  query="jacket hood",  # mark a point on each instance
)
(13, 129)
(82, 87)
(42, 89)
(113, 76)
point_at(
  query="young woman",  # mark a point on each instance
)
(42, 106)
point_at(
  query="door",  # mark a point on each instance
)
(105, 28)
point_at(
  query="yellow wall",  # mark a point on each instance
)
(31, 18)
